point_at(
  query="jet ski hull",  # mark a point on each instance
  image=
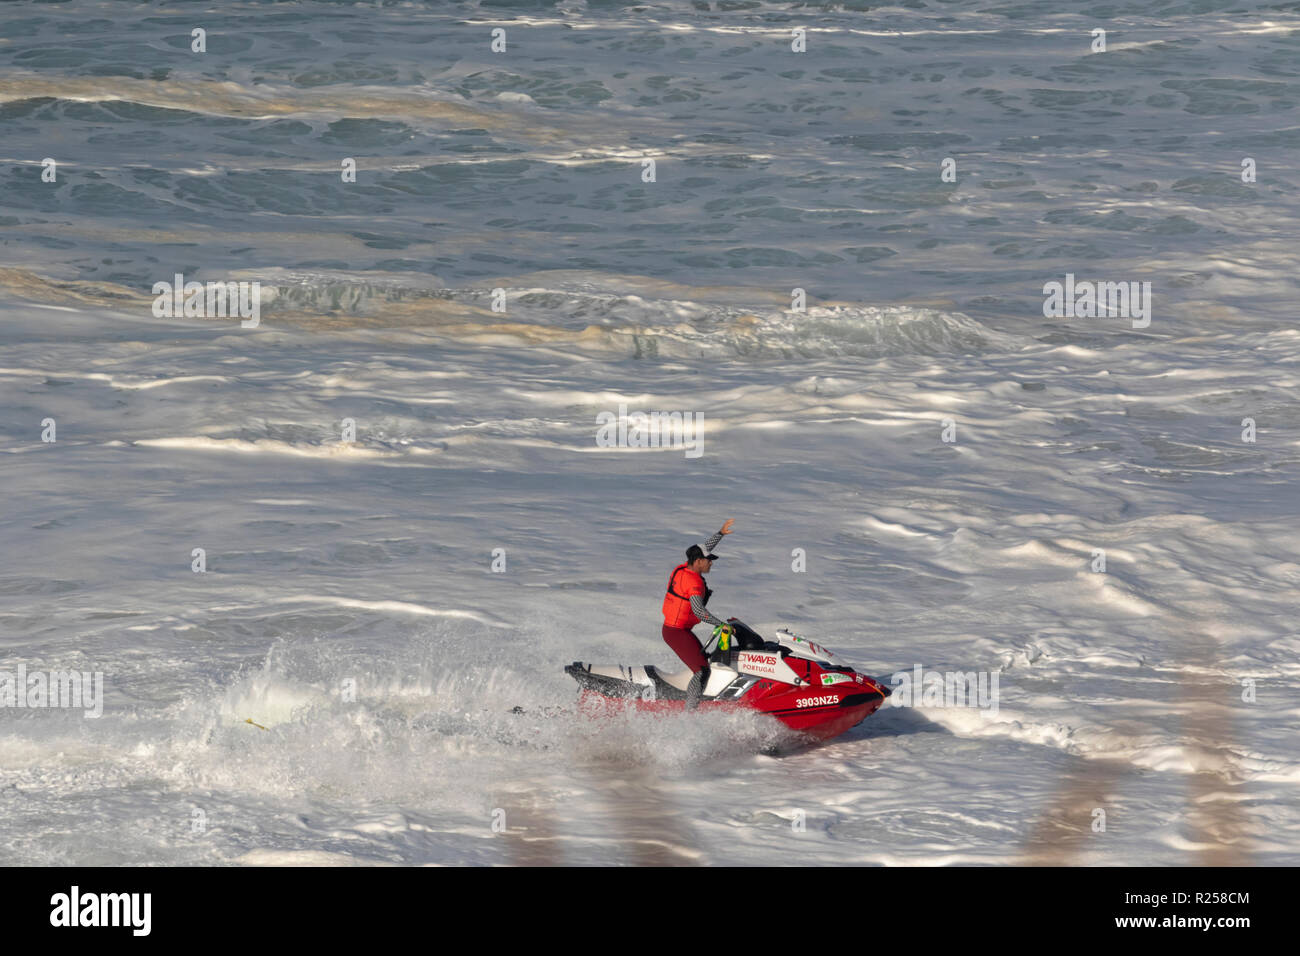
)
(799, 683)
(820, 721)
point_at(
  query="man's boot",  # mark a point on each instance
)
(695, 689)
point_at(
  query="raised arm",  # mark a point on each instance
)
(697, 600)
(713, 542)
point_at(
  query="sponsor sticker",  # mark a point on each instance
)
(763, 663)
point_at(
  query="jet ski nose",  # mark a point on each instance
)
(885, 689)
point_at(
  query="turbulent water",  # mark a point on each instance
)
(953, 464)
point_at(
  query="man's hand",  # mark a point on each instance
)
(726, 526)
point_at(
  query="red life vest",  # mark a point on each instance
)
(677, 602)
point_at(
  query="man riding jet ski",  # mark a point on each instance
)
(796, 681)
(684, 607)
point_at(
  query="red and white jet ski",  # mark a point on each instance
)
(800, 683)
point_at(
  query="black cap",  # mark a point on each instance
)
(695, 552)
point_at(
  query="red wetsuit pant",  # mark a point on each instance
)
(686, 646)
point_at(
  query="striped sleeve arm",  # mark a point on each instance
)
(702, 612)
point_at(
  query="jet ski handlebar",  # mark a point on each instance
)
(744, 638)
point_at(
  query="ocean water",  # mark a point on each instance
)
(349, 605)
